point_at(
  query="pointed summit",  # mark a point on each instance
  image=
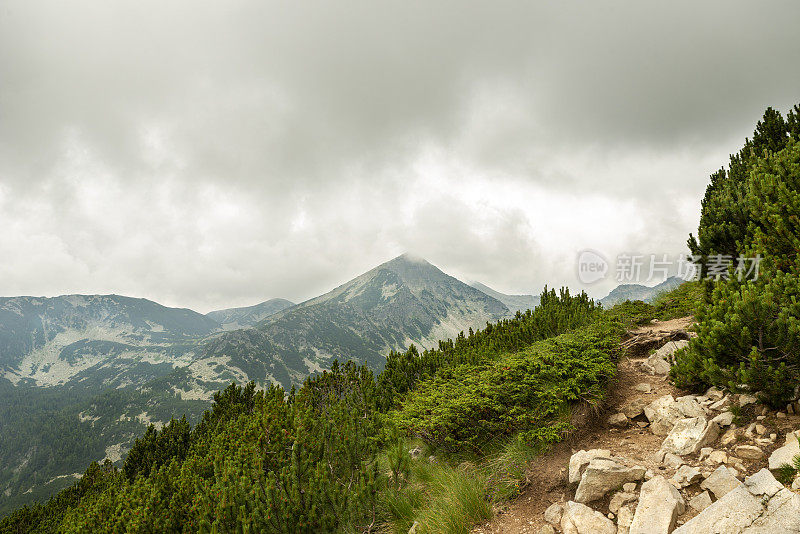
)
(402, 301)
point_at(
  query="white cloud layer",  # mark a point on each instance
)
(207, 155)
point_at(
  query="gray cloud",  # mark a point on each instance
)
(208, 155)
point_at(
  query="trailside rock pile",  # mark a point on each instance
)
(711, 476)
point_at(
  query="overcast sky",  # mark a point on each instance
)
(212, 154)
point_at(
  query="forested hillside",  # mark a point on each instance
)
(332, 456)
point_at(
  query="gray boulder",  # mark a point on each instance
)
(721, 481)
(787, 453)
(603, 475)
(659, 506)
(580, 519)
(686, 475)
(579, 461)
(553, 513)
(690, 435)
(665, 411)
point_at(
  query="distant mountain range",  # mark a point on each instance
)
(514, 303)
(94, 369)
(233, 318)
(639, 292)
(403, 301)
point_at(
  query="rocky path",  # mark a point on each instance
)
(659, 461)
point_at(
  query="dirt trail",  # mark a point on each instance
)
(547, 479)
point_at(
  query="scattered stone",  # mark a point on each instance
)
(764, 411)
(579, 461)
(780, 415)
(415, 452)
(728, 438)
(764, 442)
(618, 419)
(553, 513)
(629, 487)
(690, 435)
(750, 452)
(745, 399)
(714, 394)
(659, 506)
(580, 519)
(704, 452)
(547, 529)
(603, 475)
(790, 409)
(644, 387)
(761, 417)
(723, 419)
(649, 474)
(721, 481)
(785, 454)
(665, 411)
(657, 364)
(750, 432)
(686, 475)
(634, 408)
(716, 458)
(796, 484)
(722, 403)
(642, 424)
(700, 501)
(620, 499)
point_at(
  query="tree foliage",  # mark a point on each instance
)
(749, 331)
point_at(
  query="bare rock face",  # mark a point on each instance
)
(785, 454)
(690, 435)
(580, 519)
(659, 506)
(581, 459)
(603, 475)
(759, 506)
(665, 411)
(721, 481)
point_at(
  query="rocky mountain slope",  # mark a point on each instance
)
(661, 461)
(234, 318)
(403, 301)
(644, 293)
(94, 339)
(514, 303)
